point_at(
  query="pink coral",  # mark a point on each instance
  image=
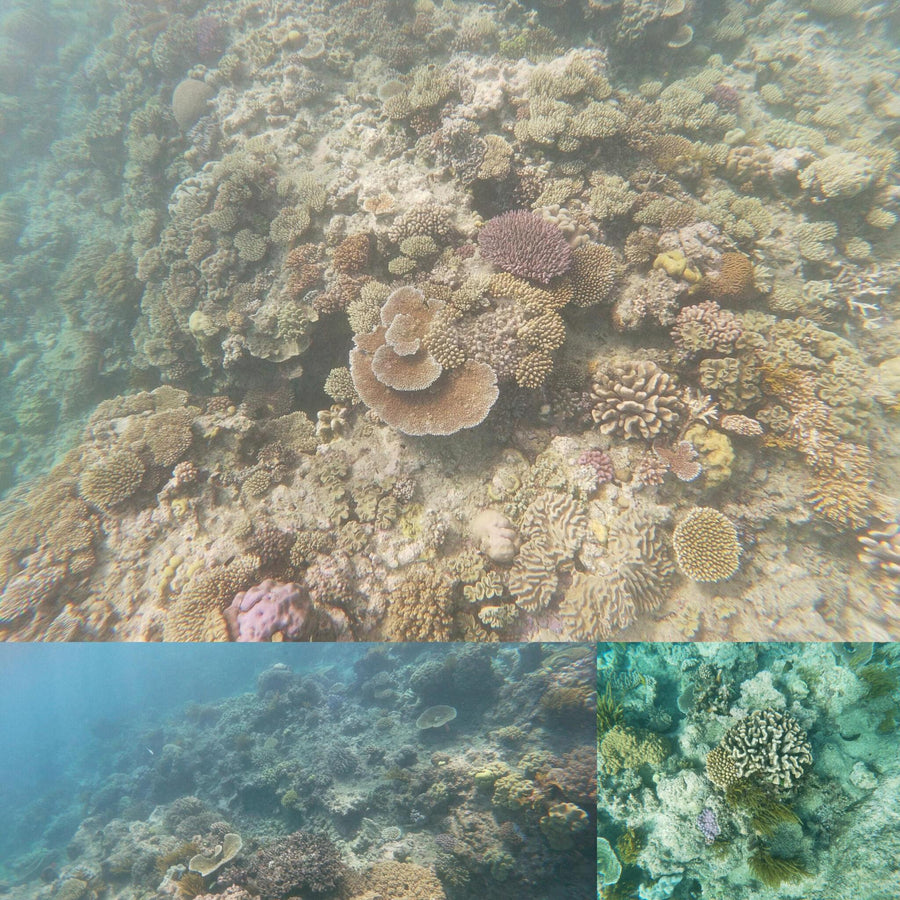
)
(269, 608)
(601, 462)
(524, 244)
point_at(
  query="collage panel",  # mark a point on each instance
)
(436, 320)
(306, 771)
(748, 771)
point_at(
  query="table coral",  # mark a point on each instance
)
(395, 375)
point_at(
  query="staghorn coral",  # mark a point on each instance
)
(768, 745)
(524, 244)
(637, 400)
(706, 545)
(396, 376)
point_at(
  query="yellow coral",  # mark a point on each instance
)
(716, 453)
(676, 265)
(628, 748)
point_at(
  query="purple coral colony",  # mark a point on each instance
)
(395, 320)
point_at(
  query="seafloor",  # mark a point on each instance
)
(738, 771)
(383, 319)
(417, 773)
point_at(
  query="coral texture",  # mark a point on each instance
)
(524, 244)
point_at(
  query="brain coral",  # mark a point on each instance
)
(524, 244)
(189, 101)
(734, 281)
(636, 400)
(706, 545)
(768, 745)
(409, 389)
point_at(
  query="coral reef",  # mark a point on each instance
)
(239, 245)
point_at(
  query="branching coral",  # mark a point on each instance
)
(768, 745)
(524, 244)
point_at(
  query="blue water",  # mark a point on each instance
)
(67, 711)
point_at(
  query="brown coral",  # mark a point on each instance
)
(352, 254)
(409, 389)
(112, 480)
(421, 607)
(734, 281)
(636, 400)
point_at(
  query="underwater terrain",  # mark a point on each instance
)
(400, 772)
(437, 319)
(733, 771)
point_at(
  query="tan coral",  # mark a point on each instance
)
(706, 545)
(595, 274)
(112, 480)
(421, 607)
(636, 400)
(397, 377)
(400, 881)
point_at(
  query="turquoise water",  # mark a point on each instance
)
(696, 799)
(577, 318)
(465, 770)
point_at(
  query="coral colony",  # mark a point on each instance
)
(733, 770)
